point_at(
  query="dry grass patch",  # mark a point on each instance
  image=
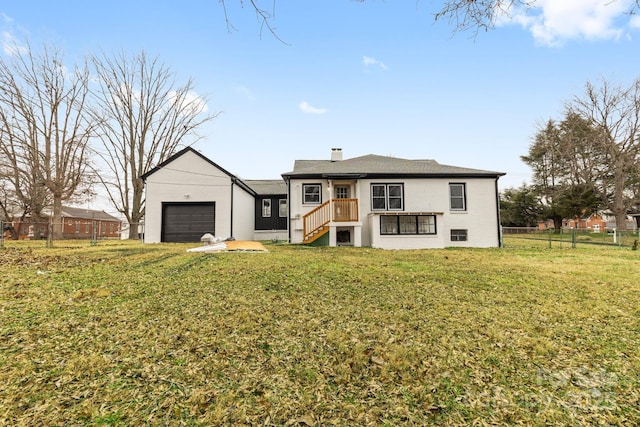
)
(125, 334)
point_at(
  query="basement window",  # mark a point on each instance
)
(459, 235)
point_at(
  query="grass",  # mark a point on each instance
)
(126, 334)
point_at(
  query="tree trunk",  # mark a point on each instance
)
(57, 217)
(619, 205)
(621, 221)
(133, 231)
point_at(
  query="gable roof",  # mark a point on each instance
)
(71, 212)
(267, 186)
(182, 152)
(81, 213)
(373, 165)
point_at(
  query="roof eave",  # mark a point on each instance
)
(386, 175)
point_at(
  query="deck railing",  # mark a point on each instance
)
(315, 222)
(345, 210)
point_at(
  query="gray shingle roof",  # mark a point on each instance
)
(372, 164)
(267, 186)
(71, 212)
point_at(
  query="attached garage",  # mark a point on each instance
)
(187, 221)
(188, 195)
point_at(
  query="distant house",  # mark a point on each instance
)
(392, 203)
(77, 223)
(594, 222)
(189, 195)
(376, 201)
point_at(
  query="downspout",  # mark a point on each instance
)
(288, 208)
(330, 191)
(498, 214)
(231, 222)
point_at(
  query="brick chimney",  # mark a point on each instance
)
(336, 154)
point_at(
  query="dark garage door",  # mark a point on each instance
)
(187, 222)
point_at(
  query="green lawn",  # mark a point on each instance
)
(126, 334)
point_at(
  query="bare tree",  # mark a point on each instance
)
(477, 15)
(613, 152)
(43, 130)
(144, 117)
(463, 15)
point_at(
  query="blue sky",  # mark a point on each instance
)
(375, 77)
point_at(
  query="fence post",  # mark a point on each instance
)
(1, 234)
(573, 238)
(50, 234)
(94, 234)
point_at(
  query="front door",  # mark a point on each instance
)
(342, 209)
(342, 191)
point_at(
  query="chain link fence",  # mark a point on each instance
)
(88, 232)
(574, 237)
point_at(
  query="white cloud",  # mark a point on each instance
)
(189, 101)
(305, 107)
(553, 22)
(5, 18)
(11, 46)
(372, 62)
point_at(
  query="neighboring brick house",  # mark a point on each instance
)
(594, 222)
(78, 223)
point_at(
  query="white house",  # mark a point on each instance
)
(377, 201)
(188, 195)
(387, 202)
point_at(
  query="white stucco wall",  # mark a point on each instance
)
(243, 214)
(432, 196)
(423, 195)
(190, 178)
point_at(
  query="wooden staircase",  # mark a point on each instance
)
(316, 222)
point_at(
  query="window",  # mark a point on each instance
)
(426, 224)
(407, 224)
(457, 197)
(86, 228)
(282, 208)
(266, 208)
(388, 224)
(458, 235)
(77, 226)
(387, 197)
(311, 193)
(342, 192)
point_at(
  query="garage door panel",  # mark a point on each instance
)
(187, 222)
